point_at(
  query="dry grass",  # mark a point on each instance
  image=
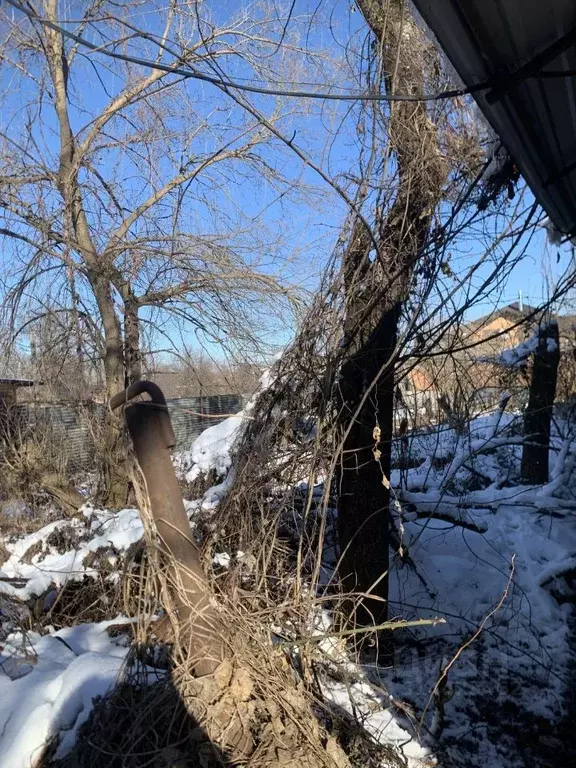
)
(260, 707)
(34, 467)
(198, 487)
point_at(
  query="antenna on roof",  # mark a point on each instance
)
(520, 301)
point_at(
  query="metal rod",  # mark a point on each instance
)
(531, 68)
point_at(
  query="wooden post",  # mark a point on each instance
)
(538, 415)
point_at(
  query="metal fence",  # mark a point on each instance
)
(192, 415)
(73, 430)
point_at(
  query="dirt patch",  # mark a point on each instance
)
(87, 600)
(32, 552)
(4, 553)
(63, 539)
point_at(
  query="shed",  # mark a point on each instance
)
(9, 389)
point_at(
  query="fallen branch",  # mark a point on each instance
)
(446, 517)
(527, 497)
(387, 625)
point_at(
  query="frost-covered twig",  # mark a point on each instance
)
(489, 499)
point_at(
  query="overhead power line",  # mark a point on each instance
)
(189, 73)
(194, 74)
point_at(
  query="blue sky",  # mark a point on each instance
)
(302, 230)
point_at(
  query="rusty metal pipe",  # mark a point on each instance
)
(157, 400)
(138, 388)
(152, 436)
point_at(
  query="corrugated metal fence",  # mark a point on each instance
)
(192, 415)
(72, 431)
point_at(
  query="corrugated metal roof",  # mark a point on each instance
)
(535, 119)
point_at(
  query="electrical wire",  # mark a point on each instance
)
(189, 73)
(194, 74)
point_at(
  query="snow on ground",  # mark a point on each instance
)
(212, 448)
(48, 684)
(465, 520)
(471, 535)
(61, 549)
(373, 708)
(362, 701)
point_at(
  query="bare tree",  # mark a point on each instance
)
(199, 375)
(113, 178)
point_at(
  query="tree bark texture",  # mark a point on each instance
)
(371, 327)
(364, 493)
(132, 355)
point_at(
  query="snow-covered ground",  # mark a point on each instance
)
(60, 551)
(493, 557)
(490, 556)
(48, 681)
(48, 684)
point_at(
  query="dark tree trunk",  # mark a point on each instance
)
(538, 415)
(364, 491)
(374, 292)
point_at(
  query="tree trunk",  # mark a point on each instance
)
(114, 351)
(77, 329)
(113, 482)
(538, 415)
(152, 437)
(371, 327)
(364, 490)
(132, 357)
(99, 268)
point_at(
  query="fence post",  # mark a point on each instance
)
(538, 414)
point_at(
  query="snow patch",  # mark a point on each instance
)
(101, 529)
(361, 701)
(464, 521)
(51, 691)
(213, 448)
